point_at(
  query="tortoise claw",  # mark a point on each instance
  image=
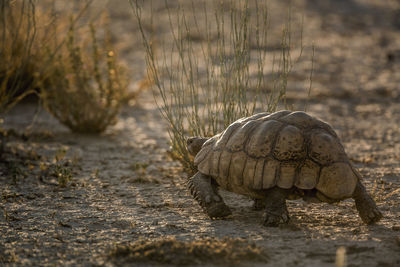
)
(274, 220)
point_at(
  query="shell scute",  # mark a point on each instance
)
(300, 119)
(238, 138)
(202, 155)
(271, 168)
(287, 174)
(224, 164)
(325, 148)
(224, 137)
(238, 161)
(206, 163)
(308, 175)
(261, 141)
(337, 181)
(214, 165)
(305, 121)
(258, 174)
(249, 171)
(290, 144)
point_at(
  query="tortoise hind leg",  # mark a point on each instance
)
(365, 205)
(205, 192)
(276, 212)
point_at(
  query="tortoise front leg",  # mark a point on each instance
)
(206, 194)
(276, 212)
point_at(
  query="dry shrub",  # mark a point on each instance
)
(18, 56)
(17, 51)
(86, 85)
(215, 67)
(177, 253)
(80, 80)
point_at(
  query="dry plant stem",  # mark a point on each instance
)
(26, 50)
(18, 32)
(59, 44)
(204, 85)
(311, 77)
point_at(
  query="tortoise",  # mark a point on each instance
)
(271, 157)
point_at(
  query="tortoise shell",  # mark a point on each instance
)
(284, 149)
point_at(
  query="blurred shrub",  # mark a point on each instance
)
(18, 57)
(79, 80)
(86, 86)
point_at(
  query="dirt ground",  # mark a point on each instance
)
(127, 204)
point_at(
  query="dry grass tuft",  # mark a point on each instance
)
(172, 251)
(86, 86)
(80, 80)
(17, 51)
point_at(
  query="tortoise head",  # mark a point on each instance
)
(194, 144)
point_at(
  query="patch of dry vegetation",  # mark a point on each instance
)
(86, 85)
(21, 161)
(217, 67)
(172, 251)
(17, 51)
(74, 69)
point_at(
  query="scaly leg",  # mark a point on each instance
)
(276, 212)
(365, 205)
(205, 192)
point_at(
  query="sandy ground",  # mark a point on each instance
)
(126, 202)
